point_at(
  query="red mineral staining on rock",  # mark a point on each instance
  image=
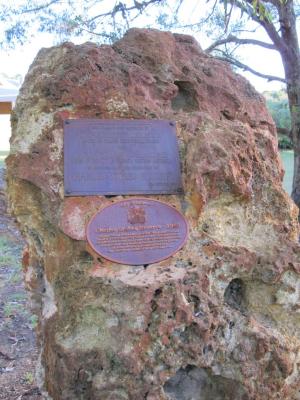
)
(222, 312)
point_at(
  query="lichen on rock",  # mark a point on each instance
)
(217, 320)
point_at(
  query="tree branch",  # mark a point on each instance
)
(120, 7)
(245, 67)
(275, 3)
(36, 9)
(267, 25)
(178, 6)
(234, 39)
(103, 34)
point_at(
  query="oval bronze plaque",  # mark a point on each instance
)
(137, 231)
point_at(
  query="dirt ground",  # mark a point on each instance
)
(18, 351)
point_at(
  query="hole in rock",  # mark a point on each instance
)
(207, 349)
(235, 295)
(85, 256)
(193, 383)
(99, 67)
(37, 240)
(186, 99)
(82, 384)
(227, 114)
(190, 334)
(196, 301)
(154, 304)
(109, 196)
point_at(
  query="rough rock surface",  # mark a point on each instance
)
(218, 320)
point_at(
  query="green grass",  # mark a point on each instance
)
(4, 243)
(287, 157)
(33, 321)
(12, 308)
(7, 250)
(3, 155)
(17, 297)
(9, 256)
(7, 245)
(15, 277)
(6, 259)
(29, 378)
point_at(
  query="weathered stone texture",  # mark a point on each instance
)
(218, 320)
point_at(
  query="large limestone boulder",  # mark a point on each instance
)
(218, 320)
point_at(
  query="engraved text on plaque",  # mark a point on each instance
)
(110, 157)
(137, 231)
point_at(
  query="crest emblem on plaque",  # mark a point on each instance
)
(136, 215)
(137, 231)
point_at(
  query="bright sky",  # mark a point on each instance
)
(18, 61)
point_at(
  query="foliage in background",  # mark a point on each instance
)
(3, 155)
(284, 142)
(101, 20)
(277, 103)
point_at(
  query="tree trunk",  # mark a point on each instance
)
(293, 91)
(290, 55)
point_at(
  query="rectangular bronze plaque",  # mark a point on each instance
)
(110, 157)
